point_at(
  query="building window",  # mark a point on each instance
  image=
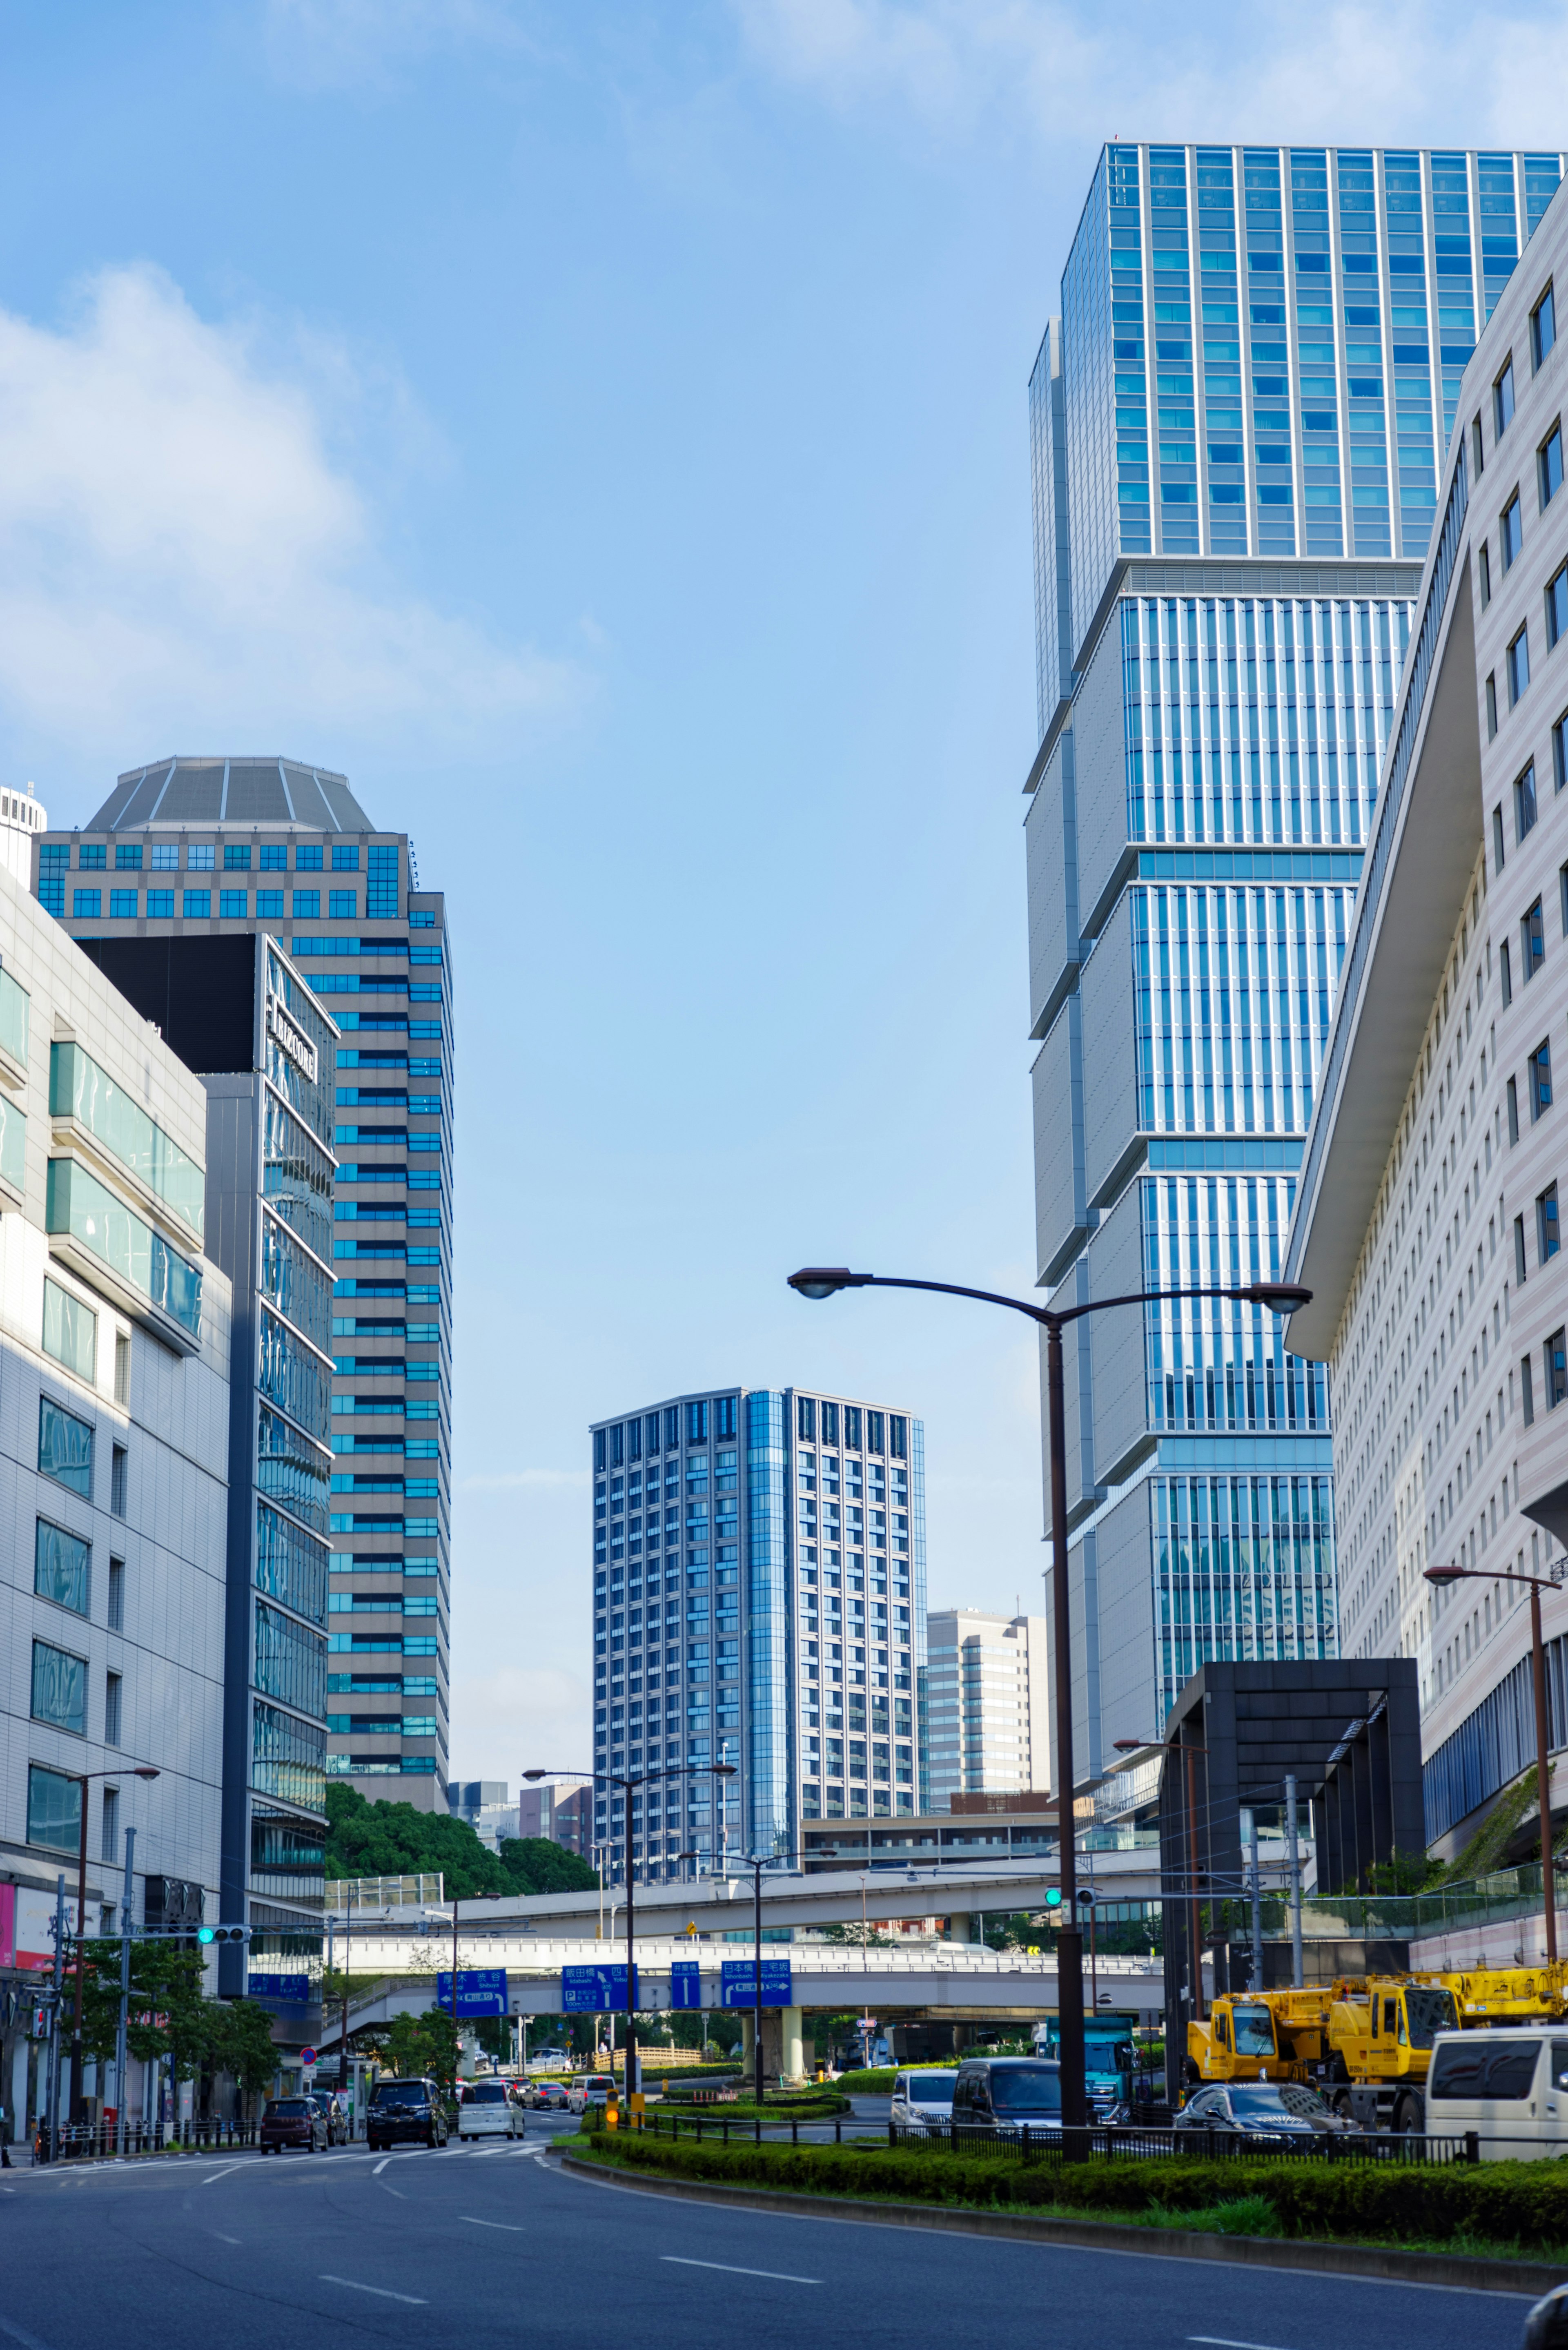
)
(1503, 398)
(1519, 1266)
(1549, 1237)
(232, 904)
(62, 1567)
(112, 1686)
(1539, 1079)
(126, 859)
(308, 903)
(1512, 1111)
(1478, 450)
(87, 904)
(1556, 1355)
(200, 857)
(1543, 327)
(307, 860)
(166, 857)
(1505, 965)
(1550, 464)
(1532, 941)
(1557, 607)
(110, 1846)
(71, 1332)
(197, 905)
(343, 905)
(160, 905)
(697, 1424)
(1518, 666)
(59, 1688)
(345, 860)
(1510, 534)
(269, 905)
(236, 861)
(64, 1448)
(273, 858)
(382, 905)
(91, 857)
(1483, 574)
(119, 1466)
(122, 905)
(54, 1809)
(1527, 1390)
(117, 1594)
(1491, 706)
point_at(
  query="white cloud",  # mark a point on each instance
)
(184, 561)
(516, 1719)
(1422, 74)
(364, 44)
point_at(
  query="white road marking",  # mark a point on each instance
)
(780, 2276)
(211, 2175)
(221, 2237)
(381, 2291)
(504, 2224)
(380, 2166)
(1223, 2342)
(19, 2334)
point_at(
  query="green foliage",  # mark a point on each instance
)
(169, 2013)
(423, 2043)
(240, 2042)
(381, 1839)
(1406, 1872)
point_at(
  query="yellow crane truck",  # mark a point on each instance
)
(1366, 2043)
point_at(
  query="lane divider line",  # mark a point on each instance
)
(382, 2293)
(779, 2276)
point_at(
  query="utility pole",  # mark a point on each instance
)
(51, 2141)
(1257, 1910)
(757, 2023)
(1295, 1868)
(122, 2050)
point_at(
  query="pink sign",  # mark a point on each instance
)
(7, 1925)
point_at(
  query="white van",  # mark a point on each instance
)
(1510, 2087)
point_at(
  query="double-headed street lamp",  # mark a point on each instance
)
(1274, 1297)
(1442, 1575)
(639, 1779)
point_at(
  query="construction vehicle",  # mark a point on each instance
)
(1493, 1995)
(1366, 2043)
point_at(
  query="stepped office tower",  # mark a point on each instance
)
(759, 1600)
(207, 846)
(1237, 426)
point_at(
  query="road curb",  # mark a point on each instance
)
(1453, 2271)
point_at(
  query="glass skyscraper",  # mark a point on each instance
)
(1237, 423)
(760, 1601)
(209, 846)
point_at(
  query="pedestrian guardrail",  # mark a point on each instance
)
(103, 2141)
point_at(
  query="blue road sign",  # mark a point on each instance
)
(594, 1990)
(686, 1983)
(740, 1981)
(481, 1990)
(293, 1990)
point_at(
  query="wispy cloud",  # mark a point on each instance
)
(1426, 73)
(368, 46)
(183, 557)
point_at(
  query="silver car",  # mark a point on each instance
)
(923, 2100)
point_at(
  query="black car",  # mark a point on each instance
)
(407, 2112)
(1008, 2093)
(1283, 2113)
(293, 2121)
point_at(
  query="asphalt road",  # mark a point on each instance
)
(480, 2245)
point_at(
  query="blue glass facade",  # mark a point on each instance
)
(1236, 427)
(759, 1602)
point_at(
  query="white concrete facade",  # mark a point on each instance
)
(114, 1440)
(989, 1704)
(1426, 1219)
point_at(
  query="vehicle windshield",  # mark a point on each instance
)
(1261, 2099)
(1430, 2009)
(930, 2088)
(487, 2093)
(290, 2105)
(1026, 2089)
(1254, 2029)
(401, 2093)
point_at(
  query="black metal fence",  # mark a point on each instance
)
(102, 2141)
(1041, 2142)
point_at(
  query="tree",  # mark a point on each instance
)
(381, 1839)
(423, 2043)
(169, 2014)
(535, 1864)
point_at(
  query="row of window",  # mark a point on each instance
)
(195, 905)
(55, 1813)
(200, 856)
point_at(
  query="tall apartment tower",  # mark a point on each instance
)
(1428, 1225)
(759, 1601)
(1238, 422)
(988, 1709)
(215, 846)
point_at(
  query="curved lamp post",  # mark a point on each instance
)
(139, 1771)
(1275, 1298)
(1440, 1577)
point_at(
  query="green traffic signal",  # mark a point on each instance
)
(1054, 1898)
(203, 1933)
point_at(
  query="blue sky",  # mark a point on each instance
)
(601, 431)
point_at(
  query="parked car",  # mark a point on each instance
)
(293, 2121)
(590, 2089)
(546, 2060)
(1510, 2085)
(548, 2096)
(406, 2112)
(489, 2109)
(1278, 2112)
(923, 2099)
(1006, 2092)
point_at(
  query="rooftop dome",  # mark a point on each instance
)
(239, 792)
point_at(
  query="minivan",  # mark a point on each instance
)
(1509, 2085)
(1007, 2092)
(405, 2109)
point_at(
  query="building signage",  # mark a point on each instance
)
(290, 1991)
(740, 1979)
(686, 1983)
(291, 1040)
(481, 1990)
(594, 1990)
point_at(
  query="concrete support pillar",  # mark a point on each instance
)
(961, 1927)
(791, 2065)
(748, 2038)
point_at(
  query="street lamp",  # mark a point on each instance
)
(1275, 1298)
(1441, 1575)
(640, 1779)
(141, 1770)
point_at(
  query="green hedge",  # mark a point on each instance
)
(1522, 2203)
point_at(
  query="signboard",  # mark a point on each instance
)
(740, 1979)
(594, 1990)
(481, 1990)
(307, 2057)
(30, 1926)
(686, 1983)
(291, 1990)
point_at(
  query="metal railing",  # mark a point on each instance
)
(101, 2141)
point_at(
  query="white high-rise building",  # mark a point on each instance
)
(989, 1710)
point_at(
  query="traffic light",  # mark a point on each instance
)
(206, 1934)
(1054, 1898)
